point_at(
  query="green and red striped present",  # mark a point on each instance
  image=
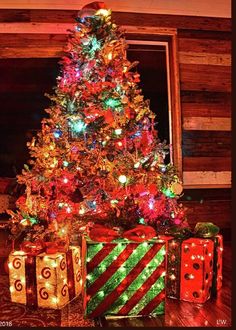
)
(123, 277)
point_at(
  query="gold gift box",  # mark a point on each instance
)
(45, 280)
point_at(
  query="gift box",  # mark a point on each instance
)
(123, 277)
(45, 280)
(217, 264)
(194, 268)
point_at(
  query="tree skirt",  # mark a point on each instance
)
(21, 316)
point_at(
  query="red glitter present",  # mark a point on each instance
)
(194, 268)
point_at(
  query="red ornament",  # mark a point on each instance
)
(91, 8)
(146, 142)
(108, 116)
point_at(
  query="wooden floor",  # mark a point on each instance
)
(214, 313)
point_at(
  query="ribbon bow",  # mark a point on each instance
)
(201, 230)
(140, 233)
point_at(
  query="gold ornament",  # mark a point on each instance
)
(177, 188)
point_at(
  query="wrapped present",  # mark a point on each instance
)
(217, 264)
(122, 277)
(194, 267)
(45, 280)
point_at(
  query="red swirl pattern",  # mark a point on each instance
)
(43, 293)
(16, 263)
(18, 286)
(77, 258)
(64, 290)
(78, 276)
(63, 264)
(46, 272)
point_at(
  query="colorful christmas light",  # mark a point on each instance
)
(97, 145)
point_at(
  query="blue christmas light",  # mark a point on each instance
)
(92, 204)
(57, 133)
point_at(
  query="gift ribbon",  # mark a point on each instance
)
(201, 230)
(31, 281)
(140, 233)
(35, 248)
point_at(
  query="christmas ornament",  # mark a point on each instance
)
(92, 8)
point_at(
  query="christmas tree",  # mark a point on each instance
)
(98, 157)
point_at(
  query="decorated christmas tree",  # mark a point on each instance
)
(98, 158)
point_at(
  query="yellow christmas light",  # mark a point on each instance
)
(109, 56)
(103, 12)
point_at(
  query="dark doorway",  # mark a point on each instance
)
(152, 68)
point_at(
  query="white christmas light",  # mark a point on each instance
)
(122, 178)
(118, 131)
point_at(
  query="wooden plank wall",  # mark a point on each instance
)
(35, 39)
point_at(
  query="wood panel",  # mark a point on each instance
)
(136, 19)
(35, 27)
(204, 58)
(199, 195)
(205, 110)
(207, 123)
(206, 179)
(28, 15)
(32, 45)
(218, 212)
(211, 205)
(206, 144)
(179, 21)
(213, 78)
(205, 34)
(215, 164)
(200, 45)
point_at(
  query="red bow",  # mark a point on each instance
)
(101, 233)
(140, 233)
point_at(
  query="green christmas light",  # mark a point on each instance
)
(112, 103)
(91, 45)
(65, 163)
(33, 221)
(168, 192)
(78, 126)
(142, 221)
(96, 44)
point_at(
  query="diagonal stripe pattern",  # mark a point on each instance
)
(125, 278)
